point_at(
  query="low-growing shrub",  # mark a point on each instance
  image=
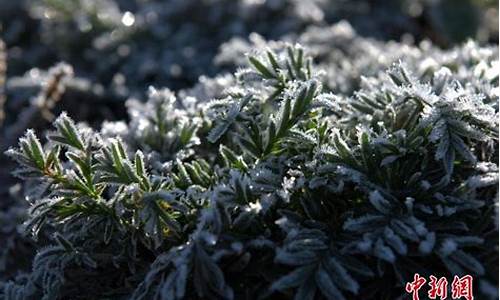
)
(279, 188)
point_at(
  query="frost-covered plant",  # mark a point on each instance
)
(277, 188)
(347, 57)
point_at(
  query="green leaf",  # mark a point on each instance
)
(260, 67)
(293, 279)
(327, 286)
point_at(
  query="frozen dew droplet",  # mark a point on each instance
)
(128, 19)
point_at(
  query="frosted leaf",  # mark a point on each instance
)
(362, 223)
(448, 246)
(379, 202)
(293, 279)
(383, 252)
(404, 230)
(341, 277)
(327, 286)
(295, 258)
(218, 131)
(468, 261)
(395, 241)
(329, 101)
(427, 245)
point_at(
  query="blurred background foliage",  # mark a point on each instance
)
(173, 42)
